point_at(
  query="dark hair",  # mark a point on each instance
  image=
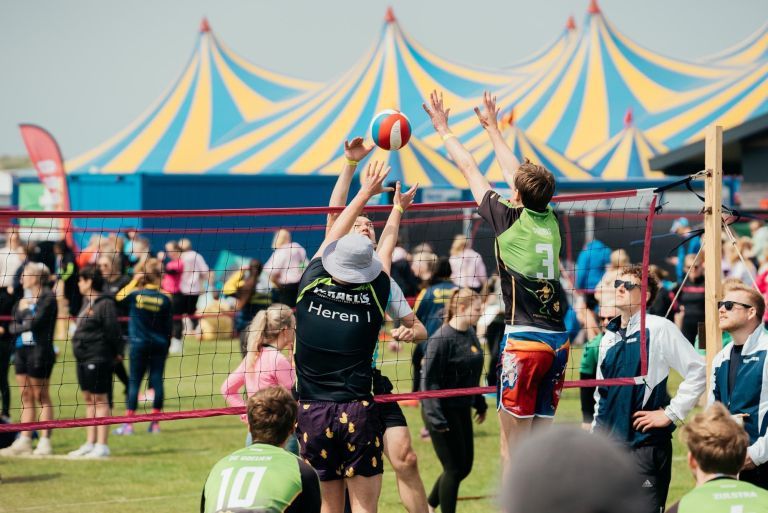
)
(92, 272)
(653, 285)
(441, 270)
(271, 415)
(535, 184)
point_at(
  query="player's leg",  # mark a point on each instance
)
(332, 493)
(399, 451)
(551, 386)
(42, 396)
(364, 493)
(512, 429)
(453, 455)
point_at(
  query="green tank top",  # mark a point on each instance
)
(260, 476)
(725, 495)
(531, 246)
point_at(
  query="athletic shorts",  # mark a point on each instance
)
(95, 377)
(532, 372)
(391, 413)
(341, 440)
(30, 361)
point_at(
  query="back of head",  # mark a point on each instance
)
(716, 441)
(92, 272)
(535, 184)
(566, 470)
(619, 259)
(271, 415)
(265, 327)
(153, 271)
(185, 244)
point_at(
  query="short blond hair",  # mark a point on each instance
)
(756, 299)
(716, 441)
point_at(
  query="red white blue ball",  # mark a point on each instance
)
(390, 129)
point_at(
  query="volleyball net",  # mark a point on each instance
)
(226, 243)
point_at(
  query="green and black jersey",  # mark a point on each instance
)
(261, 477)
(527, 249)
(723, 495)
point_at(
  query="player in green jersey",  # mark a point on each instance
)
(717, 449)
(264, 476)
(534, 352)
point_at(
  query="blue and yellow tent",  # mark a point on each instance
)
(526, 147)
(624, 156)
(547, 56)
(216, 91)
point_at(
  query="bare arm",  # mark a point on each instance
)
(438, 114)
(504, 155)
(372, 185)
(410, 330)
(354, 151)
(388, 239)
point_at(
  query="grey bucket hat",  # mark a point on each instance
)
(352, 259)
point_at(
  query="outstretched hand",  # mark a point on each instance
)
(372, 180)
(437, 112)
(490, 115)
(356, 149)
(404, 199)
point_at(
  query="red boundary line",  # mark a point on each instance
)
(270, 211)
(217, 412)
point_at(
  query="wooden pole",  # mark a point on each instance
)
(713, 215)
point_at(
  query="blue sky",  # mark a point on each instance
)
(84, 69)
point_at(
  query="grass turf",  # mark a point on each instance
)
(166, 472)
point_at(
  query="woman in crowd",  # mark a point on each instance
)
(454, 359)
(11, 257)
(171, 283)
(429, 309)
(96, 344)
(271, 332)
(691, 299)
(422, 264)
(468, 269)
(149, 330)
(285, 267)
(251, 297)
(33, 325)
(110, 268)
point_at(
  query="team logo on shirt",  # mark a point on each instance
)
(360, 298)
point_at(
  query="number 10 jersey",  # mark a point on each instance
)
(527, 250)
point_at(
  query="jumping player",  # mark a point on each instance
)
(535, 346)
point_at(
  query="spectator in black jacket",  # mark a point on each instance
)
(96, 344)
(691, 299)
(114, 281)
(453, 359)
(33, 324)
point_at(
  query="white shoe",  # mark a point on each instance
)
(99, 451)
(176, 346)
(81, 451)
(22, 446)
(43, 448)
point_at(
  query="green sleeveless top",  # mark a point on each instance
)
(724, 495)
(260, 476)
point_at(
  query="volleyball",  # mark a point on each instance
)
(390, 129)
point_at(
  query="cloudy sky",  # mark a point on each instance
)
(84, 69)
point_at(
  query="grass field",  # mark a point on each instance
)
(166, 472)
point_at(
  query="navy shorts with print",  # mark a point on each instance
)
(341, 440)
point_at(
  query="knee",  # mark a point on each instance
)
(27, 394)
(405, 462)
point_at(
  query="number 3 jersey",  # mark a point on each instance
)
(527, 250)
(261, 477)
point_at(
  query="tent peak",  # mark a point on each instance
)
(570, 24)
(511, 117)
(205, 27)
(628, 118)
(593, 7)
(389, 17)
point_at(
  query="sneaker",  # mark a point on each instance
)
(154, 427)
(124, 430)
(99, 451)
(82, 450)
(43, 448)
(22, 446)
(175, 347)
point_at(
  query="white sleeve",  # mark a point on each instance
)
(679, 354)
(397, 306)
(599, 375)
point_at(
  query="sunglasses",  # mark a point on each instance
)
(606, 319)
(628, 285)
(728, 305)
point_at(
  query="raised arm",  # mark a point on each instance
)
(504, 155)
(371, 186)
(354, 152)
(388, 239)
(438, 114)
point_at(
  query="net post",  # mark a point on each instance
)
(644, 285)
(713, 216)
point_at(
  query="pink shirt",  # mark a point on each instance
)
(287, 264)
(468, 269)
(172, 276)
(272, 368)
